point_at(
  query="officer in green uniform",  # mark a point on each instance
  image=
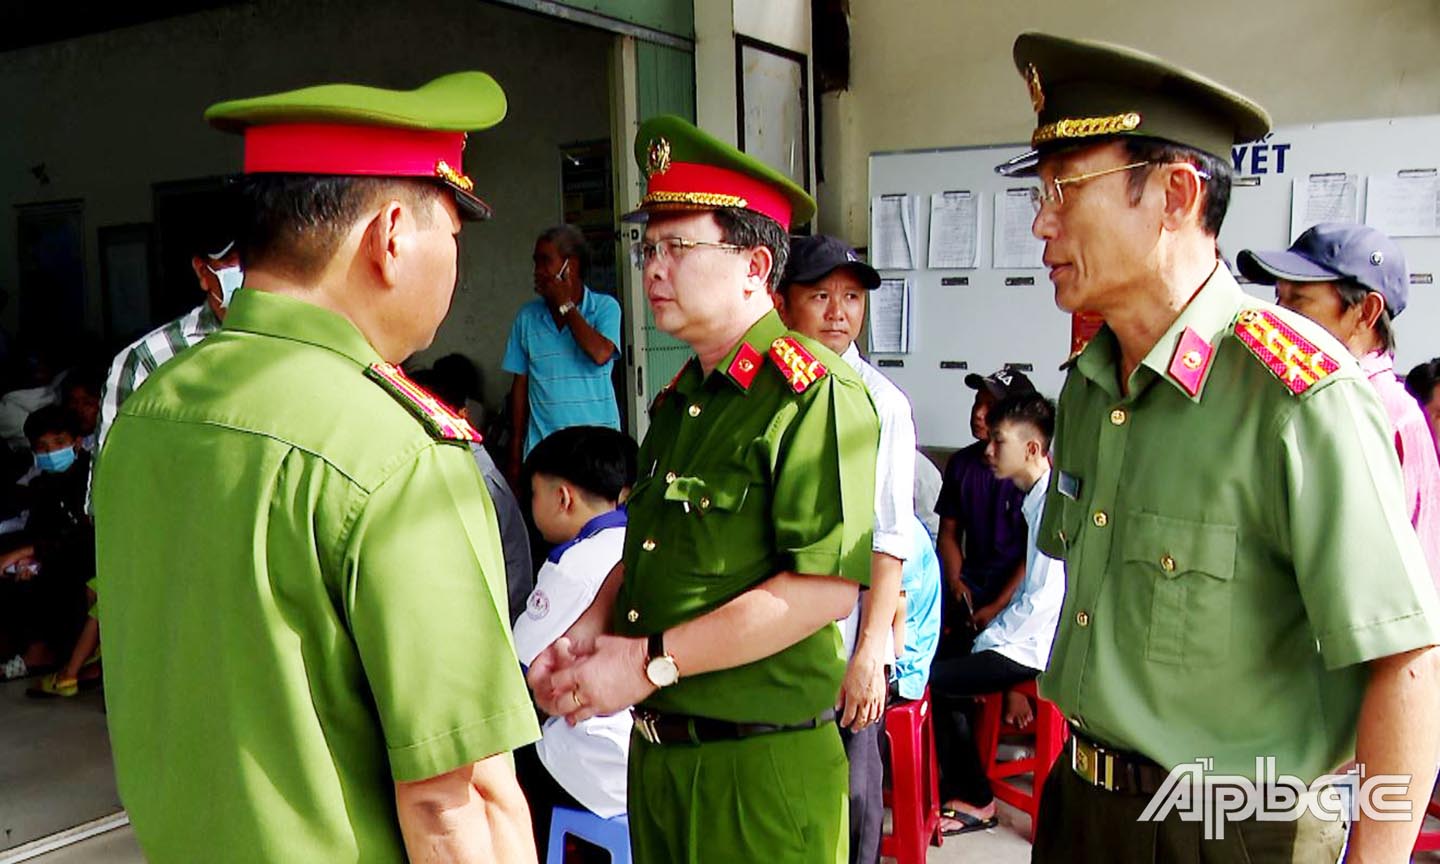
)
(749, 536)
(306, 645)
(1242, 579)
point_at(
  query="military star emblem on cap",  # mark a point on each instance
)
(658, 157)
(1037, 92)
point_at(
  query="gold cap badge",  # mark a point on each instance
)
(1037, 93)
(658, 157)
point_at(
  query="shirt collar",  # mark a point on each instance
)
(1035, 498)
(270, 314)
(1377, 362)
(610, 519)
(206, 322)
(759, 337)
(1209, 313)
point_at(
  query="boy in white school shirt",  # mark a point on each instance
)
(578, 477)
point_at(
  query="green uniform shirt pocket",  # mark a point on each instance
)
(714, 538)
(1190, 568)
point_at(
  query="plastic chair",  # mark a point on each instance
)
(1429, 840)
(612, 835)
(1050, 731)
(914, 791)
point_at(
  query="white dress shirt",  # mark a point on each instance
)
(894, 474)
(1025, 629)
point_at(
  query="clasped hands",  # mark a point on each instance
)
(582, 676)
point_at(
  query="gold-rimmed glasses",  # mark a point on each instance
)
(642, 252)
(1055, 194)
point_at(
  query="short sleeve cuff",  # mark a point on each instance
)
(1380, 639)
(819, 562)
(499, 733)
(895, 544)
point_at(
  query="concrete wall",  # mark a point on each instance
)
(938, 73)
(113, 113)
(785, 23)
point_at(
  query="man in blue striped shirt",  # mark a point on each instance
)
(562, 347)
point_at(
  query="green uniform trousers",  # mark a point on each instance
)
(1079, 823)
(777, 797)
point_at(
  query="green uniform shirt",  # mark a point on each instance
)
(304, 598)
(739, 483)
(1234, 557)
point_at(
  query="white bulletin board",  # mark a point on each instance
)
(978, 319)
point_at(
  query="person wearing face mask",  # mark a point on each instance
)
(216, 262)
(46, 577)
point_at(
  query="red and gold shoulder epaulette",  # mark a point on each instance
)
(437, 419)
(798, 365)
(1295, 360)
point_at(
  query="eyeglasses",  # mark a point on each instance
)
(642, 252)
(1055, 195)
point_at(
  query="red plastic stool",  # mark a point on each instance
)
(1429, 840)
(1050, 731)
(914, 792)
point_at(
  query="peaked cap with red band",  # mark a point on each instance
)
(350, 130)
(688, 169)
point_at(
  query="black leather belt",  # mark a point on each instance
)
(1114, 770)
(658, 728)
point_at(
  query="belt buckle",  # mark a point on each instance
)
(645, 722)
(1093, 764)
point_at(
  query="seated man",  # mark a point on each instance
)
(578, 476)
(981, 541)
(80, 396)
(1015, 647)
(451, 388)
(917, 617)
(1421, 384)
(51, 569)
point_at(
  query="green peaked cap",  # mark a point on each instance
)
(352, 130)
(1084, 91)
(458, 102)
(674, 155)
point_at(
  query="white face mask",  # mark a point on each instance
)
(231, 278)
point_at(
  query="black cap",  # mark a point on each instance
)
(814, 258)
(1008, 381)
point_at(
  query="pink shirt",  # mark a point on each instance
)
(1416, 448)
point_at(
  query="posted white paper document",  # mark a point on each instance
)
(892, 232)
(890, 317)
(1015, 247)
(1406, 205)
(954, 230)
(1332, 197)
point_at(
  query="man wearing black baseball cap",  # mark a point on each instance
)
(1351, 280)
(823, 296)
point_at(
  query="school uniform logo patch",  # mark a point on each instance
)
(538, 606)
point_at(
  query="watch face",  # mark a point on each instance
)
(662, 672)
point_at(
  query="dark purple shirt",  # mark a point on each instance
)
(991, 525)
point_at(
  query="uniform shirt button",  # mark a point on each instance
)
(695, 410)
(669, 476)
(648, 545)
(1167, 564)
(704, 503)
(1082, 618)
(633, 616)
(1101, 519)
(1117, 417)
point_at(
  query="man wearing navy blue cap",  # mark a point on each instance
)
(1351, 280)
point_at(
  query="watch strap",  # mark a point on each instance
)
(655, 646)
